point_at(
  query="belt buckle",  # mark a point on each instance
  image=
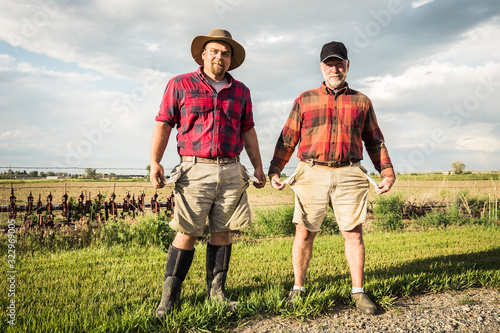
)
(223, 160)
(332, 164)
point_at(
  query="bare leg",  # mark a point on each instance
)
(355, 254)
(220, 238)
(184, 242)
(302, 253)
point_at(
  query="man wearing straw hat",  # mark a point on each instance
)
(329, 124)
(214, 120)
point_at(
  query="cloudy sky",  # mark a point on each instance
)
(81, 81)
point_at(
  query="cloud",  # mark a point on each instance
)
(420, 3)
(66, 65)
(153, 47)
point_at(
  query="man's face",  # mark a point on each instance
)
(216, 58)
(335, 72)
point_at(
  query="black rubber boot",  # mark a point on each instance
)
(178, 264)
(218, 258)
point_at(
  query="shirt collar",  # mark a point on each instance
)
(329, 91)
(202, 75)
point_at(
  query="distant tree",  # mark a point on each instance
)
(91, 173)
(33, 173)
(458, 167)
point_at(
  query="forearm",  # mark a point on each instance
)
(282, 154)
(380, 158)
(159, 140)
(252, 148)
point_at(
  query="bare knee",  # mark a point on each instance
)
(304, 235)
(184, 242)
(354, 236)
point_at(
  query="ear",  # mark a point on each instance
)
(347, 66)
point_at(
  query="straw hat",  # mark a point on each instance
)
(218, 35)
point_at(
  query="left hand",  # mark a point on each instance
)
(385, 185)
(261, 176)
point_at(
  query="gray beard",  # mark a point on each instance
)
(334, 84)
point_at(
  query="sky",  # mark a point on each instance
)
(81, 81)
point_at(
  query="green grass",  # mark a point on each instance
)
(117, 288)
(276, 222)
(441, 177)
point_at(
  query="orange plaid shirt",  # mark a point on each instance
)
(332, 127)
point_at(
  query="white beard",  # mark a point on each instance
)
(334, 83)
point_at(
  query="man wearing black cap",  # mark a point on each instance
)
(214, 120)
(329, 124)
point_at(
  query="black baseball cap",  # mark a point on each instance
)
(333, 49)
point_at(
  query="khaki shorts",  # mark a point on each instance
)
(210, 193)
(345, 189)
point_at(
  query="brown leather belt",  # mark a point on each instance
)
(330, 164)
(211, 160)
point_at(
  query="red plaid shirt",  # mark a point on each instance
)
(209, 124)
(331, 127)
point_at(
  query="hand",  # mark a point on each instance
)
(385, 185)
(276, 181)
(261, 176)
(156, 171)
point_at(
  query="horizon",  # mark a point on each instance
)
(82, 82)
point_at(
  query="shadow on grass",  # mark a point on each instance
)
(447, 272)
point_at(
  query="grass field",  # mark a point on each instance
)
(117, 289)
(103, 288)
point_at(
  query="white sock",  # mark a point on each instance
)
(303, 289)
(357, 290)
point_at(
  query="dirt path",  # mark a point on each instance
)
(473, 310)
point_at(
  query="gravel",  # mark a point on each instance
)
(472, 310)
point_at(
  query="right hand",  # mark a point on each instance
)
(276, 181)
(156, 172)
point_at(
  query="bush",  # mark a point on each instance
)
(476, 207)
(277, 221)
(152, 230)
(388, 212)
(452, 217)
(434, 219)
